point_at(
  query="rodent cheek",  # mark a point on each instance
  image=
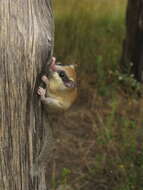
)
(61, 85)
(57, 81)
(56, 76)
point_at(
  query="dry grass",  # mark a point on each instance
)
(99, 143)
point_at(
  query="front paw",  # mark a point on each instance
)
(44, 79)
(41, 91)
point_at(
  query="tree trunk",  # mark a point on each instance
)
(133, 45)
(26, 44)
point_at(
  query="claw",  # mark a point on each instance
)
(41, 91)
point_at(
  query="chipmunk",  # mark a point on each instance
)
(61, 87)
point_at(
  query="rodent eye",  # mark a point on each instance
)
(62, 74)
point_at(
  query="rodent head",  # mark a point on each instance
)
(63, 76)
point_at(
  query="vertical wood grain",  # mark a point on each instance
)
(26, 40)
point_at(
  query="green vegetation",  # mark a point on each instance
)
(99, 142)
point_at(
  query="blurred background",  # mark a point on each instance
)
(98, 141)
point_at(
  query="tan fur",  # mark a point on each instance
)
(62, 96)
(57, 90)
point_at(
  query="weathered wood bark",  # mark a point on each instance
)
(26, 42)
(133, 44)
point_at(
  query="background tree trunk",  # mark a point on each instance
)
(26, 42)
(133, 44)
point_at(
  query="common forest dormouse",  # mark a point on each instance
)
(61, 87)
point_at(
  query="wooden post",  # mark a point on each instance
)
(26, 44)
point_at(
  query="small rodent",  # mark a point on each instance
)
(61, 87)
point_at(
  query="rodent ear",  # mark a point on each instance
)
(53, 59)
(73, 66)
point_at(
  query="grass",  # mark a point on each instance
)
(99, 141)
(90, 35)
